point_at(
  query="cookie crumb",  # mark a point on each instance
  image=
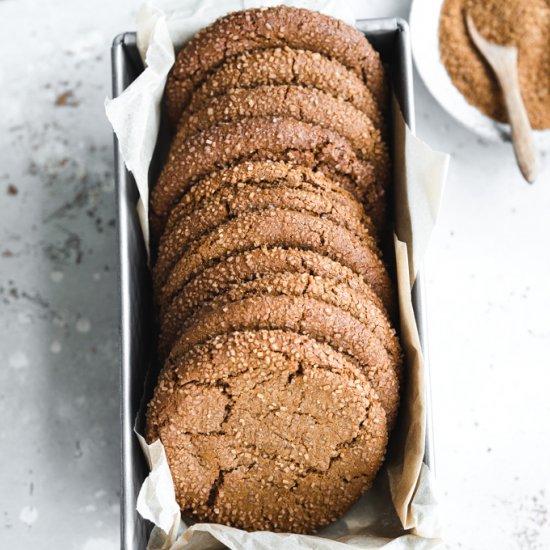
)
(66, 99)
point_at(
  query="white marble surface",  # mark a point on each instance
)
(488, 302)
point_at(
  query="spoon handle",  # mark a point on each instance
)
(522, 137)
(504, 62)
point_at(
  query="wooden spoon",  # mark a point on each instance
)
(504, 62)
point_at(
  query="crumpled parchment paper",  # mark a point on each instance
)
(400, 511)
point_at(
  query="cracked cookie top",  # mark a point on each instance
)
(311, 316)
(283, 228)
(267, 430)
(305, 104)
(259, 29)
(231, 202)
(360, 301)
(259, 138)
(250, 266)
(264, 172)
(275, 66)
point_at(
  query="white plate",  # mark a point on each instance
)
(424, 23)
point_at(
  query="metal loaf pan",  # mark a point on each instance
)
(391, 38)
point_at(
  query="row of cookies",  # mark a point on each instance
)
(280, 365)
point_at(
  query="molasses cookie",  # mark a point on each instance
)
(284, 228)
(360, 302)
(304, 104)
(249, 266)
(277, 66)
(266, 172)
(223, 411)
(261, 139)
(281, 370)
(259, 29)
(307, 316)
(231, 202)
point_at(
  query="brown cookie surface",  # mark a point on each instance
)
(359, 301)
(224, 411)
(283, 228)
(307, 316)
(304, 104)
(266, 171)
(277, 66)
(258, 29)
(234, 201)
(260, 139)
(249, 266)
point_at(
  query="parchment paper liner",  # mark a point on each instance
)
(400, 511)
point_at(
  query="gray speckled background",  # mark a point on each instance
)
(59, 381)
(488, 302)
